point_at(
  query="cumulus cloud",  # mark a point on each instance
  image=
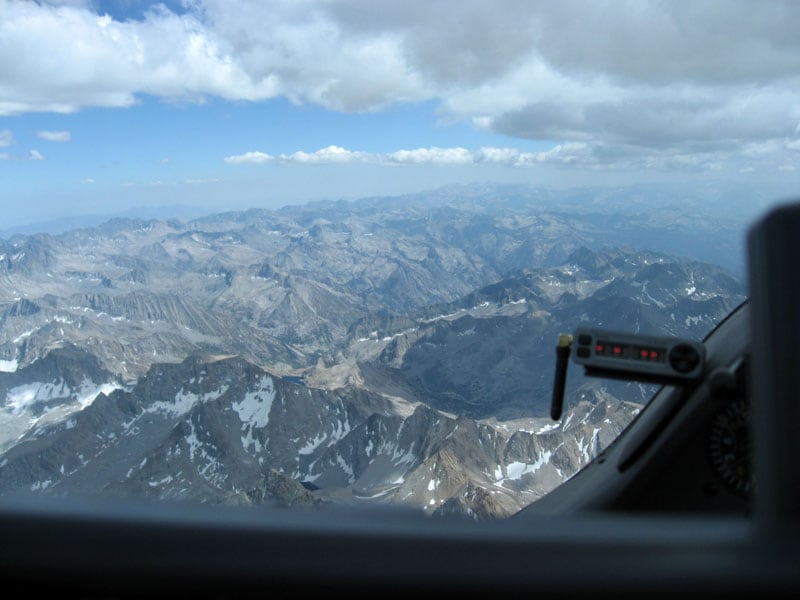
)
(439, 156)
(87, 180)
(329, 155)
(63, 57)
(248, 157)
(54, 136)
(641, 78)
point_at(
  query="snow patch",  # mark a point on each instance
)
(516, 470)
(341, 462)
(21, 397)
(254, 408)
(693, 321)
(313, 444)
(399, 457)
(546, 428)
(184, 401)
(166, 480)
(8, 366)
(22, 336)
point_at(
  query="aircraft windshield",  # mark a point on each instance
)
(311, 253)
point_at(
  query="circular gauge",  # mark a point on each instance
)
(730, 446)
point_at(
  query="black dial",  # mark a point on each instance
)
(684, 358)
(730, 446)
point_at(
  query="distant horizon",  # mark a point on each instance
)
(186, 211)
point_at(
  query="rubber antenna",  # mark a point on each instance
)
(562, 360)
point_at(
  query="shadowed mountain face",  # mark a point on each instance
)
(491, 354)
(390, 351)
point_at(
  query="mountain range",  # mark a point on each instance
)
(392, 350)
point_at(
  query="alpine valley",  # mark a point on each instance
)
(393, 350)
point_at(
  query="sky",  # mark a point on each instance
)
(111, 105)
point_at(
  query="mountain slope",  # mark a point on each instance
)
(223, 431)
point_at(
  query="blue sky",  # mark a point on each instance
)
(157, 152)
(105, 105)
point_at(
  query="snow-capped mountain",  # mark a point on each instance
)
(223, 431)
(49, 391)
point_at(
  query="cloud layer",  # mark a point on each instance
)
(584, 155)
(638, 80)
(430, 156)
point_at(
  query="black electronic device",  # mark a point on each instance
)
(637, 357)
(630, 356)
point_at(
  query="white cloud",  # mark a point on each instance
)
(35, 155)
(439, 156)
(54, 136)
(87, 180)
(62, 58)
(651, 79)
(201, 181)
(6, 138)
(248, 157)
(329, 155)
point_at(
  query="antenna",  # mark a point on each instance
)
(562, 361)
